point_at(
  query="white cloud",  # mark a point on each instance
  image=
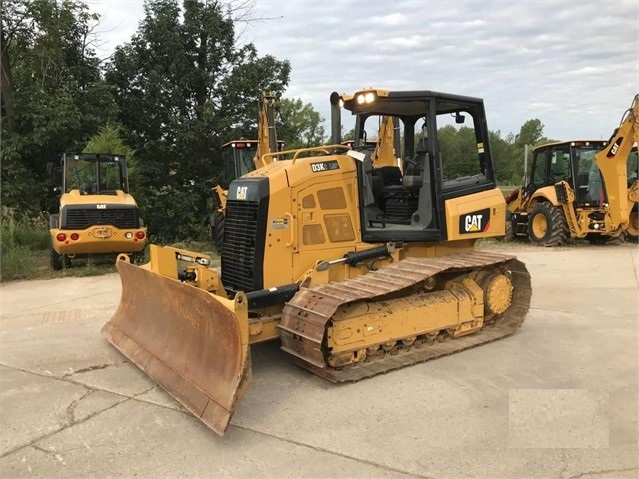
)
(118, 22)
(390, 20)
(573, 65)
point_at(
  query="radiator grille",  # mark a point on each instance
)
(238, 254)
(82, 218)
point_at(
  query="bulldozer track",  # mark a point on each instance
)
(306, 317)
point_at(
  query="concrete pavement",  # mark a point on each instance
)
(556, 400)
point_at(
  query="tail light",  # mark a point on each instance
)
(75, 236)
(61, 237)
(140, 235)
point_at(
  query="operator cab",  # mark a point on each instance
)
(441, 141)
(238, 158)
(94, 174)
(574, 163)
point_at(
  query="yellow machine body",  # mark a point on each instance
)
(580, 189)
(97, 214)
(357, 268)
(97, 238)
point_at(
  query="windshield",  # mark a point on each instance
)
(633, 165)
(91, 175)
(238, 160)
(589, 183)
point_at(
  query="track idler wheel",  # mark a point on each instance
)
(498, 292)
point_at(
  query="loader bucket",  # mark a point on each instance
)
(192, 343)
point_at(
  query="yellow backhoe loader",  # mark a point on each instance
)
(356, 266)
(632, 231)
(97, 215)
(240, 157)
(580, 189)
(386, 148)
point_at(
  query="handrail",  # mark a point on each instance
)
(296, 152)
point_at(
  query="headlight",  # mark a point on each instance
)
(128, 235)
(370, 97)
(360, 99)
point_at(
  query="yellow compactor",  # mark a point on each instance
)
(356, 265)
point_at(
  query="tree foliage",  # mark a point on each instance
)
(458, 150)
(109, 140)
(53, 98)
(299, 125)
(177, 91)
(531, 133)
(183, 89)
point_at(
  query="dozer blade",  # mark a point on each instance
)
(192, 343)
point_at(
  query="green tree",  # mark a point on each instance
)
(109, 140)
(183, 89)
(501, 149)
(299, 125)
(349, 135)
(458, 149)
(531, 133)
(53, 98)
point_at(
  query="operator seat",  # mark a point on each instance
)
(88, 188)
(413, 172)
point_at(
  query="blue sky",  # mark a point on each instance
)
(572, 64)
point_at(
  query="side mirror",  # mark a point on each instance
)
(459, 118)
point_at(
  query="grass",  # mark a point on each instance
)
(22, 263)
(25, 252)
(20, 238)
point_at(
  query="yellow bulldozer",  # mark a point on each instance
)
(357, 266)
(97, 215)
(580, 189)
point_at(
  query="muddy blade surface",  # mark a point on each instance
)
(184, 338)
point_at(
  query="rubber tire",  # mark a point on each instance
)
(510, 232)
(218, 230)
(631, 235)
(598, 238)
(509, 235)
(628, 238)
(557, 232)
(56, 260)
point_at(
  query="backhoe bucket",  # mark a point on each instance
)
(191, 342)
